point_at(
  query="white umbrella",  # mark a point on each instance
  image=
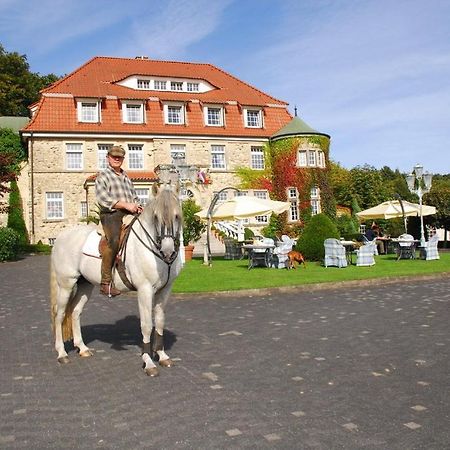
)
(392, 209)
(243, 207)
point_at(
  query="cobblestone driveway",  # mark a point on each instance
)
(355, 368)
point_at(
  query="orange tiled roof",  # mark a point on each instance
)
(98, 79)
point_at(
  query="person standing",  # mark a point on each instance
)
(116, 197)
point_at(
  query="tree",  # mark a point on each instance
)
(439, 196)
(368, 186)
(19, 88)
(11, 155)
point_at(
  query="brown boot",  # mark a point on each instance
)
(109, 290)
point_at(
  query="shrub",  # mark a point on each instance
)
(9, 244)
(193, 227)
(15, 215)
(248, 234)
(310, 243)
(346, 225)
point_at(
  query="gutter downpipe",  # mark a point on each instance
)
(32, 186)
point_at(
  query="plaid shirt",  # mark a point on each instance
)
(111, 188)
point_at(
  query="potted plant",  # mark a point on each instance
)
(193, 227)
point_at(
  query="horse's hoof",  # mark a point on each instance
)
(152, 371)
(166, 363)
(86, 354)
(64, 360)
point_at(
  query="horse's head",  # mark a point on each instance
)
(163, 214)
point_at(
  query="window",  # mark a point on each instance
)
(261, 194)
(312, 158)
(135, 156)
(293, 198)
(74, 157)
(176, 86)
(218, 157)
(222, 196)
(301, 158)
(88, 111)
(177, 151)
(214, 116)
(160, 85)
(83, 209)
(143, 84)
(320, 158)
(102, 151)
(253, 118)
(133, 112)
(143, 194)
(315, 200)
(174, 114)
(192, 87)
(257, 158)
(54, 205)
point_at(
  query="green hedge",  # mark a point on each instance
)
(9, 244)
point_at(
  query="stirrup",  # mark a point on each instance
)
(109, 290)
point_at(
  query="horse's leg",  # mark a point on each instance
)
(62, 301)
(145, 301)
(158, 343)
(84, 290)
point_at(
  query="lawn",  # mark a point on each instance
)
(226, 275)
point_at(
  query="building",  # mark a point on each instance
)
(161, 112)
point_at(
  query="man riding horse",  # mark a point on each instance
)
(117, 198)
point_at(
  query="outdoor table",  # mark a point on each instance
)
(405, 252)
(259, 258)
(349, 248)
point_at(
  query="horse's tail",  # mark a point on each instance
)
(67, 321)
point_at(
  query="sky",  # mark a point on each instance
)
(373, 74)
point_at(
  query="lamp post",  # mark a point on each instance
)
(419, 183)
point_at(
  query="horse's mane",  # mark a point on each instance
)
(163, 206)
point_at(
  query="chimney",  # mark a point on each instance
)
(141, 57)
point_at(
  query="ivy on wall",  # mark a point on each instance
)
(281, 172)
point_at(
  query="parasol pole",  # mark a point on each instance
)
(397, 196)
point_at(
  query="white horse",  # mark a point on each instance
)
(152, 262)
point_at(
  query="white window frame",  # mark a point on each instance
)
(315, 201)
(192, 86)
(177, 151)
(176, 86)
(160, 85)
(133, 106)
(320, 158)
(74, 156)
(218, 159)
(249, 117)
(257, 161)
(312, 158)
(144, 84)
(84, 209)
(54, 205)
(169, 116)
(143, 195)
(102, 151)
(294, 213)
(211, 121)
(302, 158)
(135, 156)
(88, 111)
(222, 196)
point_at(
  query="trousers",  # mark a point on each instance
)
(112, 223)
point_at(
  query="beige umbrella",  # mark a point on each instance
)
(243, 207)
(392, 209)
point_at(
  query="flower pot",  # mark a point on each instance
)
(188, 251)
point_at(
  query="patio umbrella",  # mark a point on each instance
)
(243, 207)
(392, 209)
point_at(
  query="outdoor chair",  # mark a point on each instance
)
(284, 246)
(365, 254)
(430, 251)
(334, 253)
(375, 246)
(262, 256)
(406, 247)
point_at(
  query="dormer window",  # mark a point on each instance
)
(176, 86)
(143, 84)
(133, 112)
(88, 111)
(174, 114)
(213, 116)
(192, 87)
(160, 85)
(253, 118)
